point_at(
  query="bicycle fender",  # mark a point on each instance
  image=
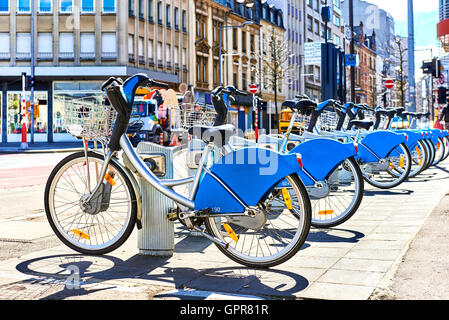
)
(379, 142)
(412, 137)
(249, 173)
(321, 156)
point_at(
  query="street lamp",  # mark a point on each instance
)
(220, 42)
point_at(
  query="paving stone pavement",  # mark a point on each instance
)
(350, 261)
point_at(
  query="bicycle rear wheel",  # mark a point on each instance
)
(109, 220)
(392, 172)
(346, 188)
(274, 235)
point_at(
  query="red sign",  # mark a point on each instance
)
(389, 84)
(442, 79)
(253, 89)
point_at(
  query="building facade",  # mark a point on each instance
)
(243, 30)
(294, 31)
(78, 45)
(315, 31)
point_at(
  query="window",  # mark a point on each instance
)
(176, 18)
(4, 49)
(168, 15)
(184, 21)
(336, 20)
(141, 14)
(44, 46)
(65, 6)
(66, 45)
(150, 51)
(87, 45)
(159, 12)
(108, 6)
(243, 41)
(150, 10)
(309, 23)
(45, 6)
(140, 48)
(131, 8)
(176, 56)
(87, 6)
(184, 57)
(234, 39)
(108, 45)
(23, 6)
(4, 5)
(168, 53)
(130, 44)
(159, 53)
(23, 45)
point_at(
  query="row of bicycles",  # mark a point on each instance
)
(255, 200)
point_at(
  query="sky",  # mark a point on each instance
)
(426, 18)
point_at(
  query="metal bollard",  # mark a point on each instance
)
(156, 238)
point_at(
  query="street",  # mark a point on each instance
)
(357, 260)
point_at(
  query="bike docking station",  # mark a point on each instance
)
(156, 237)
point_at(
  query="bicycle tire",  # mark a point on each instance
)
(425, 158)
(65, 235)
(267, 262)
(353, 206)
(401, 179)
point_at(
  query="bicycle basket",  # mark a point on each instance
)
(328, 120)
(89, 118)
(191, 114)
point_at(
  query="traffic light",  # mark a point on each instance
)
(442, 95)
(29, 82)
(427, 67)
(436, 67)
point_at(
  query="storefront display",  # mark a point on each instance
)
(15, 115)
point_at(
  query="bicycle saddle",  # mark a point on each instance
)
(302, 106)
(219, 135)
(361, 124)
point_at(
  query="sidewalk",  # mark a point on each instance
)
(41, 147)
(354, 261)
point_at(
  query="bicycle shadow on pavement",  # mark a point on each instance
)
(381, 192)
(94, 272)
(334, 235)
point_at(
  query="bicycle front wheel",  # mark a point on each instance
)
(107, 221)
(277, 232)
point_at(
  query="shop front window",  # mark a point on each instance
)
(15, 114)
(66, 93)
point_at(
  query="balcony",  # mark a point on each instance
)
(66, 56)
(160, 64)
(23, 56)
(5, 56)
(108, 10)
(87, 55)
(151, 61)
(141, 59)
(131, 57)
(45, 56)
(109, 56)
(87, 10)
(44, 10)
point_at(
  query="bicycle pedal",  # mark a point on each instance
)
(172, 214)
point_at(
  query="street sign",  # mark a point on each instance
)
(253, 89)
(389, 84)
(351, 60)
(312, 53)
